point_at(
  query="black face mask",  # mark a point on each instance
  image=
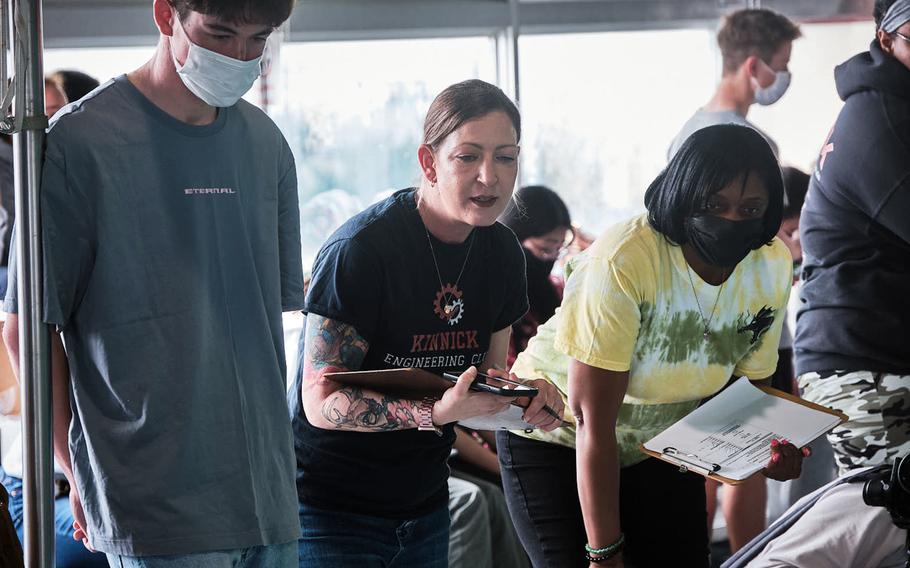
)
(542, 295)
(538, 269)
(721, 242)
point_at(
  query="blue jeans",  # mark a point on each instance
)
(271, 556)
(68, 552)
(334, 539)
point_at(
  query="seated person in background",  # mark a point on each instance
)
(658, 314)
(796, 183)
(68, 553)
(821, 468)
(75, 84)
(482, 534)
(541, 221)
(54, 99)
(831, 528)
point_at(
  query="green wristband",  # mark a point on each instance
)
(607, 549)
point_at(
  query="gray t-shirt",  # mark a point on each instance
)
(170, 252)
(704, 118)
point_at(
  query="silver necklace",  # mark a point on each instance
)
(706, 322)
(448, 297)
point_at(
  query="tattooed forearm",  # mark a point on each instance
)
(333, 346)
(330, 343)
(351, 409)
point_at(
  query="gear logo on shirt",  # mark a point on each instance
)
(448, 304)
(761, 322)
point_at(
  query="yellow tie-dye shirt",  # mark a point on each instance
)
(629, 305)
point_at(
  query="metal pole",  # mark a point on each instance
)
(34, 336)
(515, 24)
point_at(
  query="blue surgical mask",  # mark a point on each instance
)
(219, 80)
(772, 93)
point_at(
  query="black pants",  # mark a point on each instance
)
(662, 511)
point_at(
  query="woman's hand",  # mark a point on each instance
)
(786, 461)
(460, 402)
(547, 396)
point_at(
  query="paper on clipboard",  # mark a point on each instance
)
(729, 437)
(508, 419)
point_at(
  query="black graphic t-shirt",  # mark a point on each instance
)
(377, 274)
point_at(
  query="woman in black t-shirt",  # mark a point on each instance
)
(426, 278)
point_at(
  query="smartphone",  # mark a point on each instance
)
(496, 385)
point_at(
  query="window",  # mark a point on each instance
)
(353, 114)
(801, 120)
(102, 63)
(600, 110)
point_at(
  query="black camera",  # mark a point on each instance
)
(889, 487)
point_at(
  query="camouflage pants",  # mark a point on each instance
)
(878, 407)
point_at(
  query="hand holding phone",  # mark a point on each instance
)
(497, 385)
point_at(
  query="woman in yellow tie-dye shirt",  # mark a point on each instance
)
(658, 314)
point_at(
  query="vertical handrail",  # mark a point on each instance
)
(34, 336)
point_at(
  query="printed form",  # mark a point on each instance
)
(731, 434)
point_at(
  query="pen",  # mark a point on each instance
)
(546, 408)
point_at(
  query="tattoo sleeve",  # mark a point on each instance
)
(332, 346)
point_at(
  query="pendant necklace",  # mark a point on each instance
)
(706, 322)
(448, 298)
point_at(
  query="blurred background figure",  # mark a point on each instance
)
(755, 45)
(541, 221)
(54, 97)
(75, 84)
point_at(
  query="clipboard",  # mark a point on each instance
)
(728, 438)
(418, 383)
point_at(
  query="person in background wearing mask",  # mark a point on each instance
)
(796, 183)
(541, 221)
(755, 46)
(658, 314)
(852, 329)
(172, 246)
(820, 469)
(75, 84)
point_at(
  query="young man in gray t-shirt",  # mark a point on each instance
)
(755, 46)
(171, 247)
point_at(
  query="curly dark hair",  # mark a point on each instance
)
(749, 32)
(269, 12)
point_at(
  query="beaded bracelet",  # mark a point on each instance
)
(607, 550)
(597, 559)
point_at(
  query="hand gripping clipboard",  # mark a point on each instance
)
(728, 438)
(416, 384)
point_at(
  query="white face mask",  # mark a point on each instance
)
(217, 79)
(773, 92)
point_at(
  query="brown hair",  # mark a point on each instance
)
(462, 102)
(759, 32)
(270, 12)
